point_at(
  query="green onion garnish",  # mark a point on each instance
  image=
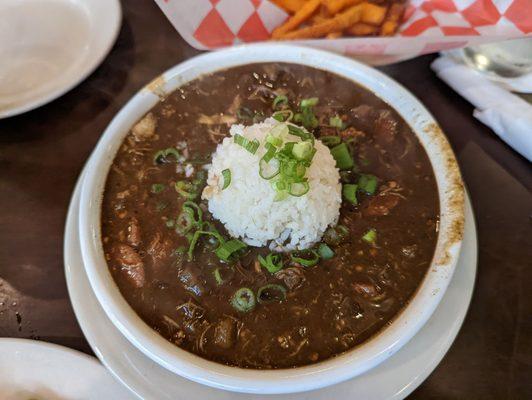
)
(243, 300)
(335, 236)
(336, 122)
(302, 150)
(370, 236)
(342, 156)
(307, 258)
(298, 189)
(310, 102)
(157, 188)
(273, 262)
(271, 293)
(163, 156)
(226, 174)
(218, 276)
(331, 141)
(268, 170)
(349, 191)
(325, 251)
(279, 101)
(270, 152)
(227, 249)
(367, 183)
(283, 115)
(304, 135)
(186, 189)
(249, 145)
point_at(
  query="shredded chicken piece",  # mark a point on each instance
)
(216, 119)
(145, 128)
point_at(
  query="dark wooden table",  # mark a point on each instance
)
(43, 151)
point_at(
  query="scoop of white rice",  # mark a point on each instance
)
(247, 207)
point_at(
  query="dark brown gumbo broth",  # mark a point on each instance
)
(382, 246)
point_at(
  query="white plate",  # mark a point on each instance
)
(49, 46)
(394, 379)
(30, 369)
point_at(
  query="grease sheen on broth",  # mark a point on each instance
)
(329, 308)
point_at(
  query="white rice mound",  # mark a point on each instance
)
(247, 207)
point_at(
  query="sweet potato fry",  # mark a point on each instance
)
(333, 6)
(362, 29)
(297, 19)
(394, 17)
(337, 23)
(334, 35)
(292, 6)
(373, 14)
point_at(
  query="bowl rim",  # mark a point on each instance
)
(347, 365)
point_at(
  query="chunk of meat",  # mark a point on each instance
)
(225, 333)
(159, 248)
(133, 232)
(381, 205)
(292, 277)
(131, 264)
(145, 128)
(366, 289)
(191, 281)
(363, 114)
(385, 127)
(352, 133)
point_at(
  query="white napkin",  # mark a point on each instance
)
(506, 114)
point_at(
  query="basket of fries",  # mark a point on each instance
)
(375, 31)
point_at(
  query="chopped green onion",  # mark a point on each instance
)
(273, 262)
(227, 249)
(271, 293)
(336, 122)
(157, 188)
(226, 174)
(325, 251)
(279, 101)
(243, 300)
(218, 276)
(349, 191)
(283, 115)
(298, 189)
(280, 195)
(335, 236)
(249, 145)
(304, 135)
(331, 141)
(275, 141)
(310, 102)
(163, 156)
(307, 258)
(196, 237)
(170, 223)
(186, 189)
(367, 183)
(307, 118)
(342, 156)
(268, 170)
(370, 236)
(302, 150)
(270, 152)
(195, 211)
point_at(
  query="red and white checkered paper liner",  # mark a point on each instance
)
(429, 26)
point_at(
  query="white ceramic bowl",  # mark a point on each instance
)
(328, 372)
(49, 46)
